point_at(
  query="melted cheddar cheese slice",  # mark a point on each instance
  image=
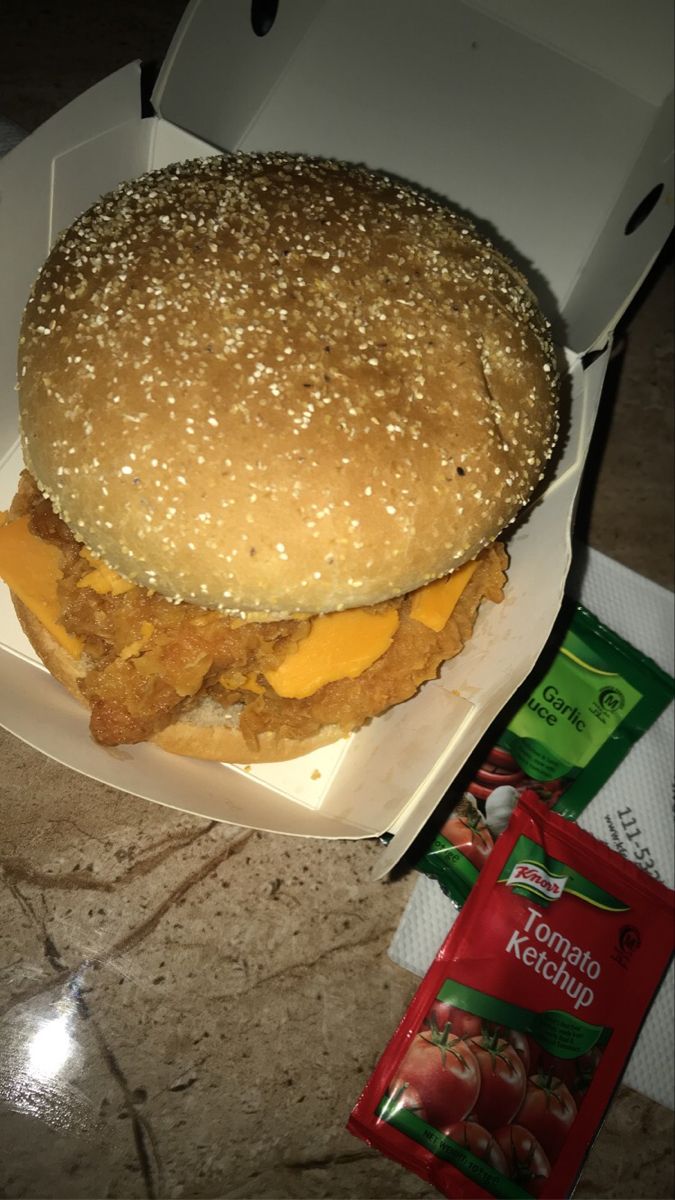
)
(343, 645)
(32, 569)
(338, 646)
(102, 579)
(433, 605)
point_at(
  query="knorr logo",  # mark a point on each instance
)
(530, 871)
(534, 878)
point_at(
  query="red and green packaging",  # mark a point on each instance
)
(498, 1077)
(594, 698)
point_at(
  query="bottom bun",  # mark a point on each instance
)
(208, 731)
(224, 743)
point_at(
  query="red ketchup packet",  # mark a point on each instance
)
(499, 1075)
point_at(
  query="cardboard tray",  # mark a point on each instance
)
(224, 88)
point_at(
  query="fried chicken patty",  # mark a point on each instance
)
(148, 661)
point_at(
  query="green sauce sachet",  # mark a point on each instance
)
(592, 698)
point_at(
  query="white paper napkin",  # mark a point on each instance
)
(643, 613)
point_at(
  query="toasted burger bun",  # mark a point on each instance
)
(209, 733)
(272, 384)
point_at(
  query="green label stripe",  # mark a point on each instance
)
(408, 1122)
(450, 867)
(586, 665)
(532, 854)
(442, 849)
(597, 646)
(560, 1033)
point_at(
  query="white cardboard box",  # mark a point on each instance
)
(552, 124)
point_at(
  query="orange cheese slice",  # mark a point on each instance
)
(338, 646)
(433, 605)
(32, 569)
(102, 579)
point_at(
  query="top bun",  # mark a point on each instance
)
(274, 384)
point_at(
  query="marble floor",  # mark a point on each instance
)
(216, 997)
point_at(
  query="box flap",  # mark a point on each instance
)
(501, 108)
(34, 207)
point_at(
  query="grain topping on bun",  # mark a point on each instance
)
(271, 384)
(275, 411)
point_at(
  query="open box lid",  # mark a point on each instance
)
(502, 108)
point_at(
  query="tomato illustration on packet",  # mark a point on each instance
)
(479, 1084)
(444, 1072)
(500, 1072)
(467, 829)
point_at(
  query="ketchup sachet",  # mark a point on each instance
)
(499, 1075)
